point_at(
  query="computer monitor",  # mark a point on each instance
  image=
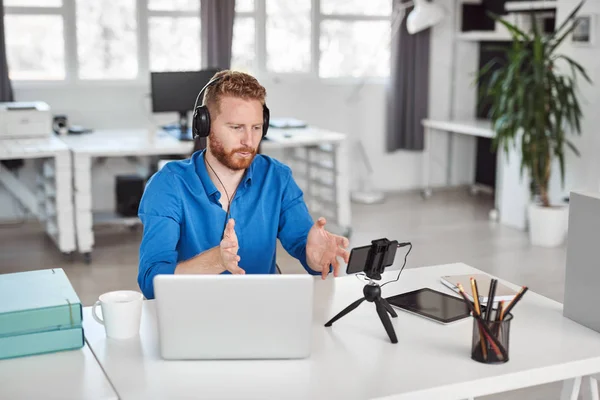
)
(176, 91)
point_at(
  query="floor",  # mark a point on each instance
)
(452, 226)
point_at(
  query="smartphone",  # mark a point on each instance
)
(359, 255)
(358, 259)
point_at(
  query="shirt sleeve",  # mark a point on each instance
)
(160, 213)
(295, 222)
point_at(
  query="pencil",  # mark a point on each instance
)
(500, 312)
(490, 301)
(515, 300)
(478, 314)
(475, 296)
(461, 290)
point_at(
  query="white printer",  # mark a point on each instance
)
(25, 120)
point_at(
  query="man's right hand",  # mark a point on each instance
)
(228, 248)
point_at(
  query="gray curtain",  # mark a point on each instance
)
(6, 92)
(217, 18)
(217, 32)
(407, 93)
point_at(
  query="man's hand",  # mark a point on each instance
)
(323, 248)
(229, 248)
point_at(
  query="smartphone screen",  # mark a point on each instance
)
(358, 259)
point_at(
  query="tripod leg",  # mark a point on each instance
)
(345, 311)
(389, 308)
(385, 320)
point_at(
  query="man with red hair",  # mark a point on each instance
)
(223, 209)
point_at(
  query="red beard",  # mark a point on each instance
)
(230, 159)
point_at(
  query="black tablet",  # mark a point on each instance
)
(429, 303)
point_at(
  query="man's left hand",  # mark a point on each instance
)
(323, 248)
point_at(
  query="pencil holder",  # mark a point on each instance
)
(491, 340)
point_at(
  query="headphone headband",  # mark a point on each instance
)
(201, 118)
(210, 83)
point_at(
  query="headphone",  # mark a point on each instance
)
(201, 118)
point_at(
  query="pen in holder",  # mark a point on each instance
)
(491, 339)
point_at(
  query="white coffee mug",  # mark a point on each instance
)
(121, 312)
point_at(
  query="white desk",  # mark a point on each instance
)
(475, 127)
(319, 160)
(62, 376)
(511, 193)
(354, 359)
(324, 154)
(109, 143)
(51, 201)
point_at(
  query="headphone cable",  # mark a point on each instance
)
(226, 194)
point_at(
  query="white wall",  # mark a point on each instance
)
(583, 173)
(325, 104)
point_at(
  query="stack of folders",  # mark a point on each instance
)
(39, 313)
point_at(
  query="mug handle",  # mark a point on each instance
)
(101, 322)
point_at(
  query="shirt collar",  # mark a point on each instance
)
(208, 184)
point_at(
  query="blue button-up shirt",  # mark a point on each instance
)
(182, 217)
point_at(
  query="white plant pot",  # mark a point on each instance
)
(547, 225)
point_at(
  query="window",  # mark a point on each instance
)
(32, 3)
(94, 40)
(288, 35)
(380, 8)
(106, 39)
(243, 48)
(354, 38)
(174, 35)
(35, 44)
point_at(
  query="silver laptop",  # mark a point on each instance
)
(234, 316)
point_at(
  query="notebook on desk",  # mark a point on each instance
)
(503, 293)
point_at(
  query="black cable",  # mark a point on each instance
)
(227, 194)
(403, 265)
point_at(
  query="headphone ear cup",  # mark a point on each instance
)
(266, 117)
(201, 122)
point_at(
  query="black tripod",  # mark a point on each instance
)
(372, 292)
(380, 254)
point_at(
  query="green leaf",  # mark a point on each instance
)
(558, 41)
(573, 148)
(568, 19)
(515, 31)
(561, 163)
(574, 64)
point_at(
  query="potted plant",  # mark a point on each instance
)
(533, 103)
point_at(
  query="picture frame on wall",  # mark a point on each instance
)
(584, 33)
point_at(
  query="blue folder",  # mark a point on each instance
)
(37, 301)
(36, 343)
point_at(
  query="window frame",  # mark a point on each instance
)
(345, 17)
(143, 14)
(68, 38)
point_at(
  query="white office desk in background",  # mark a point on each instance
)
(51, 200)
(511, 193)
(320, 159)
(65, 375)
(109, 143)
(355, 360)
(474, 127)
